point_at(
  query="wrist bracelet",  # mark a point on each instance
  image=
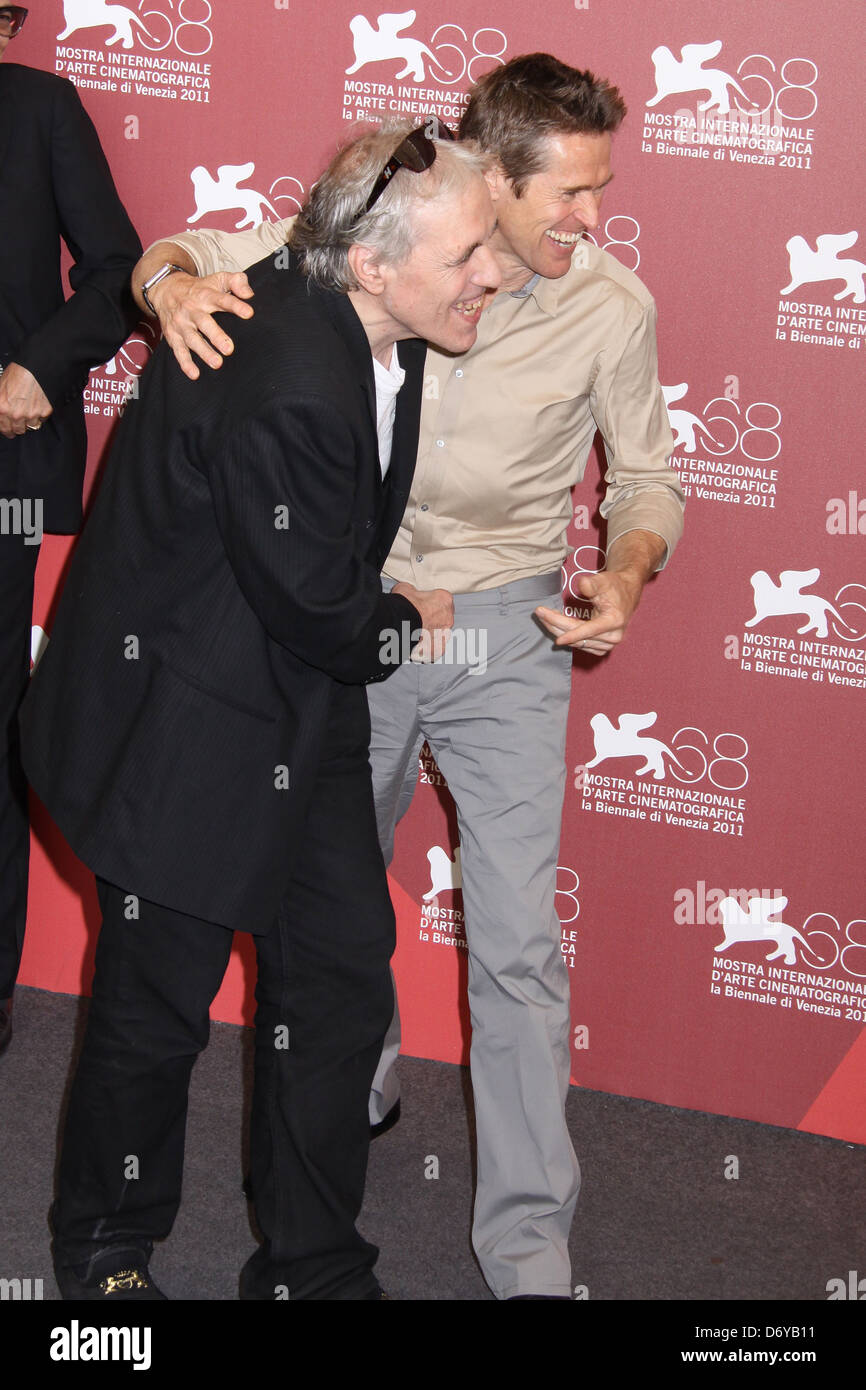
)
(164, 271)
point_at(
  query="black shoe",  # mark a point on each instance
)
(120, 1278)
(389, 1122)
(5, 1024)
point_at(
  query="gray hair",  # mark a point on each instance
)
(326, 227)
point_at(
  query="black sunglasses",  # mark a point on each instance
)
(12, 18)
(416, 152)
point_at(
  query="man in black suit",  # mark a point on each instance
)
(198, 726)
(54, 182)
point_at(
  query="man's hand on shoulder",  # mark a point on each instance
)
(23, 403)
(614, 594)
(186, 304)
(436, 611)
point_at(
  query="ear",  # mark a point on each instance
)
(497, 181)
(367, 268)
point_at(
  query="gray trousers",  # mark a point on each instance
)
(498, 737)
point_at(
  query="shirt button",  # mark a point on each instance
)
(419, 558)
(440, 443)
(459, 371)
(424, 507)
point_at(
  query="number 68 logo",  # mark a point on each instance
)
(825, 945)
(190, 29)
(567, 884)
(726, 769)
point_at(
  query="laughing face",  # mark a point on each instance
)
(538, 231)
(438, 292)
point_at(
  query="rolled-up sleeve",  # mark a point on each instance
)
(643, 491)
(213, 251)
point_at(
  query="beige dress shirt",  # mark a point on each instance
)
(507, 427)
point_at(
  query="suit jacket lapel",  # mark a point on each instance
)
(411, 352)
(404, 450)
(341, 313)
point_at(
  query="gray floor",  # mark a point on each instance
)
(657, 1218)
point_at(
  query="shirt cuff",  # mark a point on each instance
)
(659, 512)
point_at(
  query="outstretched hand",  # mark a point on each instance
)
(614, 597)
(186, 304)
(614, 593)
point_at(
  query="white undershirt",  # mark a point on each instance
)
(388, 383)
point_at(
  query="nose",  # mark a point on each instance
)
(586, 209)
(486, 271)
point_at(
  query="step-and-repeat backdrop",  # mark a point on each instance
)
(711, 881)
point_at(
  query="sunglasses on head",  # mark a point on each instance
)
(416, 152)
(12, 18)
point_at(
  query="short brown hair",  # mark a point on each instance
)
(514, 108)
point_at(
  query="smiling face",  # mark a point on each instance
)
(538, 231)
(437, 293)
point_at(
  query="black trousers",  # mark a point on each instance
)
(324, 1002)
(17, 569)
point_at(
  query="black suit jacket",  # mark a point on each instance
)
(227, 577)
(55, 182)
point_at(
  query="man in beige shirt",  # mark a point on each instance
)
(566, 346)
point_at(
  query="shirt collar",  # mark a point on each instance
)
(545, 293)
(527, 288)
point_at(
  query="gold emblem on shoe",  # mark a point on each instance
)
(123, 1281)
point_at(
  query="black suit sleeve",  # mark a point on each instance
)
(92, 324)
(284, 487)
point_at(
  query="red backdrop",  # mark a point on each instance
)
(722, 803)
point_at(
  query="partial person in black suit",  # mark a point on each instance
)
(54, 182)
(198, 726)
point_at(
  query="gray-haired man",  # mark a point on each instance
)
(199, 732)
(566, 347)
